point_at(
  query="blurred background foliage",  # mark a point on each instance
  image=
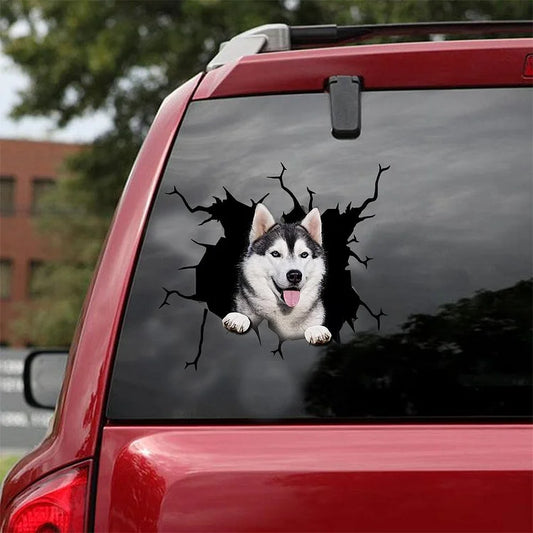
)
(123, 57)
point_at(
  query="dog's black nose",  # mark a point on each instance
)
(294, 276)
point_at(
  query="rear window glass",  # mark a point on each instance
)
(289, 275)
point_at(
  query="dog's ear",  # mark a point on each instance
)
(313, 224)
(261, 223)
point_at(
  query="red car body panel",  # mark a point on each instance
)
(315, 478)
(299, 478)
(405, 66)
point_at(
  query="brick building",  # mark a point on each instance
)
(28, 169)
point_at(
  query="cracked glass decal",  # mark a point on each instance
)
(294, 274)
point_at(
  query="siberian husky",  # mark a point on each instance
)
(280, 279)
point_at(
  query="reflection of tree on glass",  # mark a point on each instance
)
(317, 314)
(471, 358)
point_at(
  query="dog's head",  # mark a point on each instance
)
(289, 257)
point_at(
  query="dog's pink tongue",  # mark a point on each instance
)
(291, 298)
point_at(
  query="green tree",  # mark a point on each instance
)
(124, 57)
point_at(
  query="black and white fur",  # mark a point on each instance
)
(280, 279)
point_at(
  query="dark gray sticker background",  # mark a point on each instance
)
(453, 217)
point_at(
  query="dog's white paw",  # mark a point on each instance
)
(236, 322)
(317, 335)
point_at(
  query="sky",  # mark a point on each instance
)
(13, 80)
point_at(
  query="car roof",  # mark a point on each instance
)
(281, 37)
(419, 65)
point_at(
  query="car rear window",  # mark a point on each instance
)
(421, 273)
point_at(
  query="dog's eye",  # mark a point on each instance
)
(303, 255)
(275, 254)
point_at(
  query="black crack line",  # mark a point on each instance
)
(311, 194)
(192, 209)
(278, 350)
(192, 267)
(373, 198)
(170, 293)
(260, 201)
(362, 219)
(377, 316)
(286, 189)
(200, 344)
(362, 261)
(189, 208)
(203, 244)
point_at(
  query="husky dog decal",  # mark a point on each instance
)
(280, 279)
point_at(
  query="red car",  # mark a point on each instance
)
(313, 309)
